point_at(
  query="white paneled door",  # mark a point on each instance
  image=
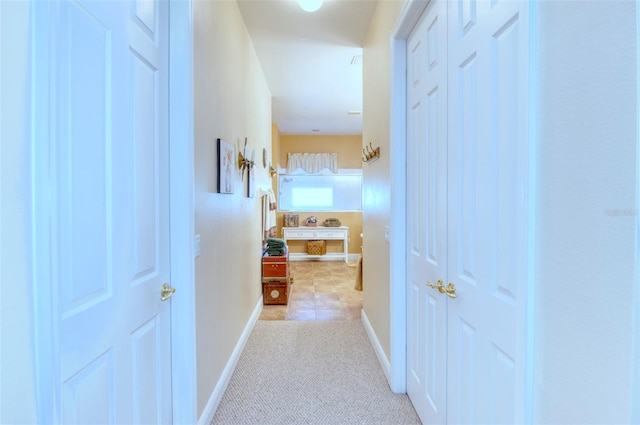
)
(467, 212)
(487, 238)
(427, 214)
(110, 185)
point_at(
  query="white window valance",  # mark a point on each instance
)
(312, 162)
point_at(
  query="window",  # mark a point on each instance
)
(310, 197)
(334, 192)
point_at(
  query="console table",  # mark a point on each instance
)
(320, 233)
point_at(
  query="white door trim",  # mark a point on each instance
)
(181, 211)
(409, 16)
(635, 378)
(45, 356)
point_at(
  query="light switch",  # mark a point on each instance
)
(197, 245)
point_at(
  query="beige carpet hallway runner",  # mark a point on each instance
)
(311, 373)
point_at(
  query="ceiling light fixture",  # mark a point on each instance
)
(310, 5)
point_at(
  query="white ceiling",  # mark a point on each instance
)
(307, 61)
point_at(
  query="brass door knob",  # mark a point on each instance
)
(450, 290)
(166, 292)
(439, 286)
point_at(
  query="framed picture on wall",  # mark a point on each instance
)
(225, 167)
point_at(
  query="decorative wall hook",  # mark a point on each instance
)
(370, 154)
(244, 163)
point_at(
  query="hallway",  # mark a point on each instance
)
(311, 372)
(110, 201)
(315, 354)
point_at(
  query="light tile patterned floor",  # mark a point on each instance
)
(321, 290)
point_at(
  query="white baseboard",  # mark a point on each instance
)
(212, 405)
(382, 358)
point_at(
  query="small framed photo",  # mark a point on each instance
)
(225, 167)
(290, 220)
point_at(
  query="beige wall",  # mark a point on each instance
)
(232, 101)
(349, 150)
(376, 175)
(275, 146)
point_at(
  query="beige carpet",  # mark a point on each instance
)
(311, 373)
